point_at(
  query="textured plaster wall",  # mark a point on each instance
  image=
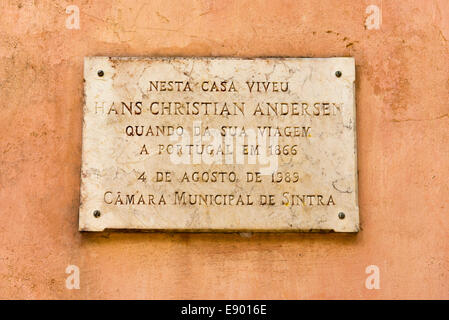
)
(403, 141)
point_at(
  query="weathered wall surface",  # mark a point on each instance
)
(403, 141)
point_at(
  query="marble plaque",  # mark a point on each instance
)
(219, 144)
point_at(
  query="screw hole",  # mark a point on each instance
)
(100, 73)
(341, 215)
(97, 214)
(338, 74)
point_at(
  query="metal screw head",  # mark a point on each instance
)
(341, 215)
(97, 213)
(338, 74)
(100, 73)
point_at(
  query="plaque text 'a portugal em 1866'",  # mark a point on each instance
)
(219, 144)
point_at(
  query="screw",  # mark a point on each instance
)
(338, 74)
(97, 214)
(100, 73)
(341, 215)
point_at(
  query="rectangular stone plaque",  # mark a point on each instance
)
(219, 144)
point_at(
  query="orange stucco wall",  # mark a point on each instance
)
(403, 151)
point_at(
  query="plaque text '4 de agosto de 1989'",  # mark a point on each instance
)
(219, 144)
